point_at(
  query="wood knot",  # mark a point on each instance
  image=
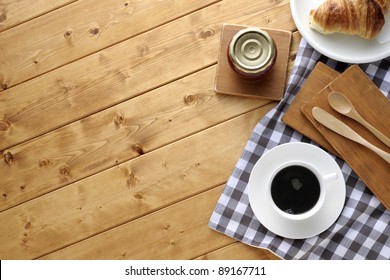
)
(190, 99)
(9, 158)
(143, 50)
(4, 86)
(138, 149)
(94, 31)
(44, 163)
(4, 125)
(119, 120)
(27, 225)
(293, 56)
(68, 33)
(139, 196)
(65, 86)
(3, 17)
(65, 172)
(207, 34)
(131, 180)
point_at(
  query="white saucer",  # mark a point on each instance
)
(341, 47)
(296, 226)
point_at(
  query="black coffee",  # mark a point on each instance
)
(295, 189)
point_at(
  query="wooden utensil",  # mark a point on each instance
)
(341, 128)
(343, 105)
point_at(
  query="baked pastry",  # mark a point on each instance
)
(364, 18)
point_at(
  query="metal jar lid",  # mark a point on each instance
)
(252, 51)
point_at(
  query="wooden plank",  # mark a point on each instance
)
(114, 135)
(296, 39)
(77, 30)
(239, 251)
(14, 12)
(171, 233)
(115, 74)
(127, 191)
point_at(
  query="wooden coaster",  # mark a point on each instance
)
(270, 87)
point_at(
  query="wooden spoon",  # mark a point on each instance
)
(344, 106)
(331, 122)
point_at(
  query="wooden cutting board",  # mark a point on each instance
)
(375, 108)
(270, 87)
(319, 78)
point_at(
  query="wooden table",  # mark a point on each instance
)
(113, 143)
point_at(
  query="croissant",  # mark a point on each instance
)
(364, 18)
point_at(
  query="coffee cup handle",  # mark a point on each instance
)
(330, 177)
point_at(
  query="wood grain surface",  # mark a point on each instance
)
(14, 13)
(111, 134)
(318, 79)
(128, 190)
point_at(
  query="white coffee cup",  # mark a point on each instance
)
(296, 189)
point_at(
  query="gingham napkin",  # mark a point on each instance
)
(363, 229)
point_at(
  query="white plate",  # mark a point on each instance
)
(341, 47)
(265, 211)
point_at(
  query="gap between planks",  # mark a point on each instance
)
(109, 45)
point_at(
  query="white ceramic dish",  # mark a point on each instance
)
(304, 225)
(341, 47)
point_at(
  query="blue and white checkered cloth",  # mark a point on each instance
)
(363, 229)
